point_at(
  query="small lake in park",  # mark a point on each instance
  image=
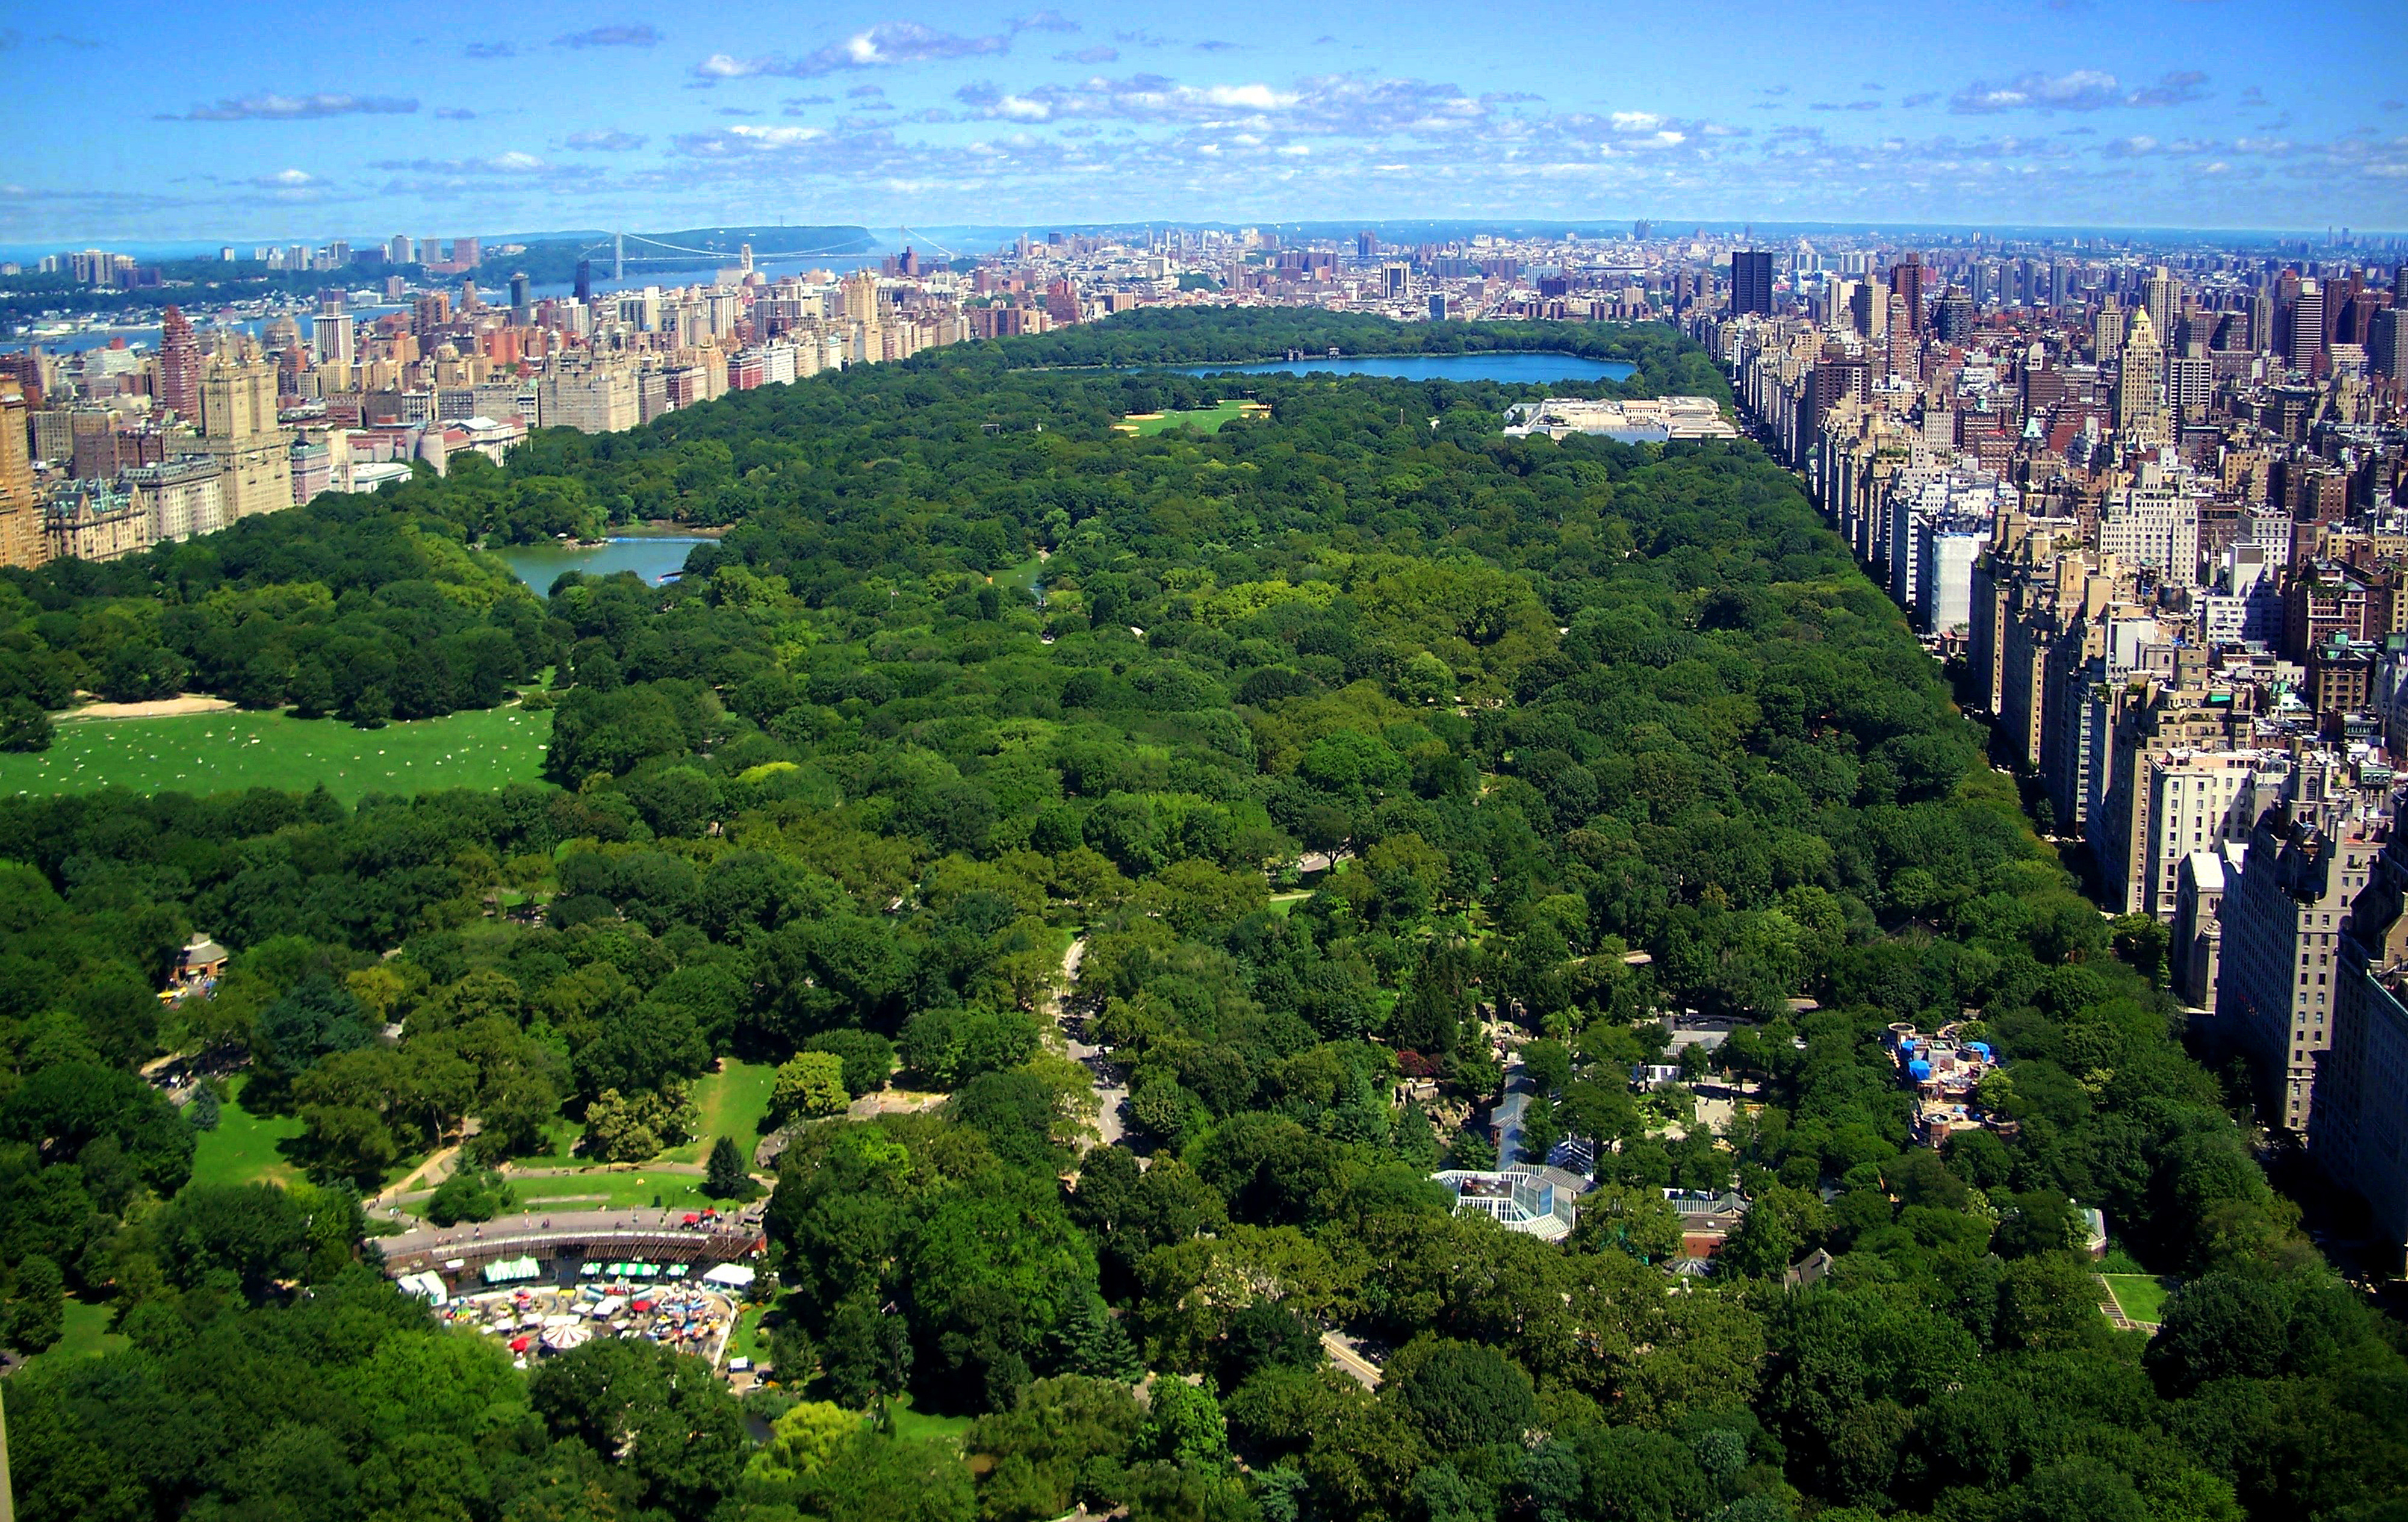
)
(1512, 368)
(652, 556)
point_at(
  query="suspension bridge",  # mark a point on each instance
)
(678, 252)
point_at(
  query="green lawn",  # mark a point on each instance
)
(1022, 575)
(748, 1341)
(218, 752)
(913, 1426)
(242, 1149)
(732, 1102)
(86, 1334)
(562, 1134)
(1204, 418)
(620, 1191)
(2141, 1296)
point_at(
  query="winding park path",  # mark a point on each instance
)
(405, 1188)
(1103, 1075)
(1110, 1090)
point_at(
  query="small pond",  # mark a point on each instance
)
(652, 556)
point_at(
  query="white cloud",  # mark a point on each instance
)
(722, 141)
(2082, 89)
(609, 36)
(883, 46)
(268, 107)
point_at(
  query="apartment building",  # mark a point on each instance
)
(2357, 1129)
(2309, 858)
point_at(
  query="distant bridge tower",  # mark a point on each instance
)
(618, 257)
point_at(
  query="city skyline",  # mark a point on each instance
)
(2163, 114)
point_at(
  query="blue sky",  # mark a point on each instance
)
(274, 121)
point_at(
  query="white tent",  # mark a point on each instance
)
(733, 1275)
(426, 1287)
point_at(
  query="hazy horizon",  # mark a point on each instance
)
(2134, 115)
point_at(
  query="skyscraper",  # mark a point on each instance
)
(2107, 332)
(1899, 337)
(585, 282)
(240, 428)
(23, 542)
(1367, 246)
(2386, 341)
(1906, 280)
(2140, 404)
(180, 366)
(1868, 309)
(1956, 314)
(1751, 281)
(2307, 335)
(330, 338)
(2161, 295)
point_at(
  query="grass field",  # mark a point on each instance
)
(748, 1341)
(218, 753)
(731, 1102)
(912, 1426)
(85, 1335)
(564, 1134)
(2141, 1296)
(612, 1191)
(1204, 418)
(242, 1149)
(1022, 575)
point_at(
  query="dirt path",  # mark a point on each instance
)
(889, 1102)
(158, 708)
(440, 1158)
(1110, 1089)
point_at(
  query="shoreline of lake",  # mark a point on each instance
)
(1513, 367)
(653, 556)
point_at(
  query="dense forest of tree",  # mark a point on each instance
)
(969, 674)
(353, 605)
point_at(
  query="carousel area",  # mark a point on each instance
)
(659, 1303)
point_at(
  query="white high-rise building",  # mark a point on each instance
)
(2153, 526)
(331, 337)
